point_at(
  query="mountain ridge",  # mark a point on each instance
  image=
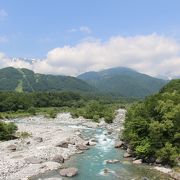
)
(21, 79)
(123, 81)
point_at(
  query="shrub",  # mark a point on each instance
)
(168, 154)
(7, 130)
(23, 134)
(32, 110)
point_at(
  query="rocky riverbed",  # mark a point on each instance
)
(49, 138)
(51, 142)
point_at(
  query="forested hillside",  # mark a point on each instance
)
(123, 81)
(20, 80)
(152, 127)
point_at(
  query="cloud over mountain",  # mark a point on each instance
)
(151, 54)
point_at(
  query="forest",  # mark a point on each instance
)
(152, 127)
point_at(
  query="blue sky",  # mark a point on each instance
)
(74, 36)
(32, 28)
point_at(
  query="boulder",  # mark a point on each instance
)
(63, 144)
(33, 160)
(81, 147)
(58, 159)
(38, 139)
(126, 155)
(92, 143)
(86, 143)
(53, 179)
(94, 140)
(137, 161)
(69, 172)
(112, 161)
(118, 144)
(12, 147)
(129, 150)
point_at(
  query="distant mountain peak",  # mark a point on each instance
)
(123, 81)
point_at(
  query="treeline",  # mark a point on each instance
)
(91, 106)
(152, 127)
(13, 101)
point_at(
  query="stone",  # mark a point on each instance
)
(92, 143)
(53, 179)
(50, 165)
(12, 147)
(109, 132)
(129, 151)
(63, 144)
(86, 143)
(72, 141)
(158, 161)
(112, 161)
(81, 147)
(33, 160)
(145, 178)
(175, 175)
(137, 161)
(69, 172)
(94, 140)
(58, 159)
(38, 139)
(106, 170)
(118, 144)
(126, 155)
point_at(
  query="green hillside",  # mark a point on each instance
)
(12, 79)
(152, 127)
(123, 82)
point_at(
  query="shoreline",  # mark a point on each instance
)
(34, 156)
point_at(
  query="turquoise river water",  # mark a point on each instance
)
(91, 163)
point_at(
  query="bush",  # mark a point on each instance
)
(32, 110)
(23, 134)
(168, 154)
(7, 130)
(52, 113)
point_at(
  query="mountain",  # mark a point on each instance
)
(12, 79)
(123, 81)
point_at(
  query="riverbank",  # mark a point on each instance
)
(31, 156)
(49, 138)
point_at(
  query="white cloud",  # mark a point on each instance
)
(151, 54)
(3, 14)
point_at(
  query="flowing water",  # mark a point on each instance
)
(92, 166)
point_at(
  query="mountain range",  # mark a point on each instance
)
(123, 81)
(118, 81)
(12, 79)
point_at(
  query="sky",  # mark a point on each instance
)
(74, 36)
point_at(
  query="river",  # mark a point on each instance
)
(92, 163)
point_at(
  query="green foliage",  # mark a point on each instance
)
(23, 134)
(168, 154)
(52, 113)
(7, 130)
(96, 110)
(32, 111)
(123, 82)
(20, 80)
(152, 127)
